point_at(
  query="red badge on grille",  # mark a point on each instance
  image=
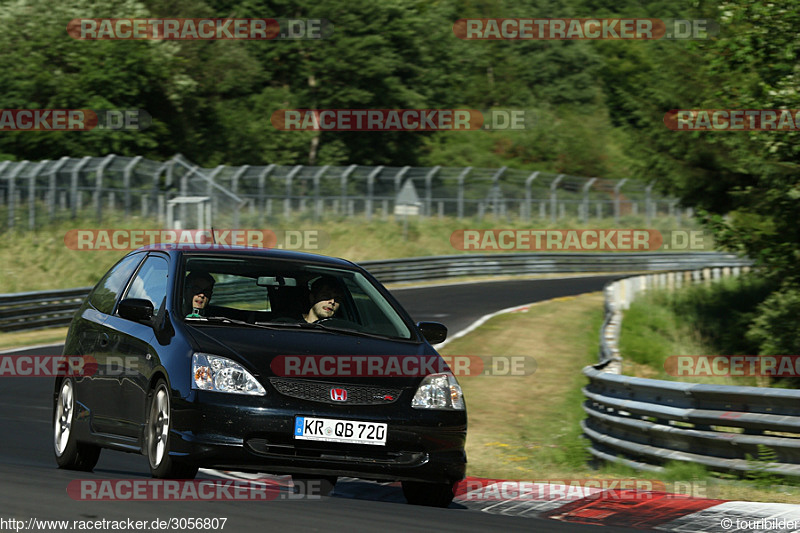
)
(339, 395)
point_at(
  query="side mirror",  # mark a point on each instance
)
(434, 332)
(136, 309)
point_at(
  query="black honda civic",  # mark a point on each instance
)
(262, 361)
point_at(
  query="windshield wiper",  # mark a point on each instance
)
(347, 331)
(226, 320)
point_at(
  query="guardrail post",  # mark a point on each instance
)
(554, 197)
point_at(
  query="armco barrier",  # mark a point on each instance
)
(35, 310)
(646, 423)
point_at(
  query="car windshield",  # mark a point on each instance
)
(274, 292)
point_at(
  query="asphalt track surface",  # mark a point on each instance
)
(32, 486)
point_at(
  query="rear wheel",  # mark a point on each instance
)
(430, 494)
(70, 453)
(157, 437)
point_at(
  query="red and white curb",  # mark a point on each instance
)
(649, 510)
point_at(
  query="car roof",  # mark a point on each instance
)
(222, 250)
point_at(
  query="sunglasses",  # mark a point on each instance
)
(208, 291)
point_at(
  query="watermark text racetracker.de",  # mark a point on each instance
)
(47, 365)
(401, 365)
(192, 489)
(74, 119)
(476, 489)
(192, 29)
(583, 29)
(733, 119)
(627, 240)
(383, 120)
(131, 239)
(777, 366)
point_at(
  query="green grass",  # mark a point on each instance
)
(696, 320)
(40, 260)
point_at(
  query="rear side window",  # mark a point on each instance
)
(150, 282)
(105, 293)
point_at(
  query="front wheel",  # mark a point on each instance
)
(430, 494)
(70, 453)
(157, 437)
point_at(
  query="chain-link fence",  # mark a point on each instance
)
(182, 195)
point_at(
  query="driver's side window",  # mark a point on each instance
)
(150, 282)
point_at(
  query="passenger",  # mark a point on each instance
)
(199, 286)
(325, 300)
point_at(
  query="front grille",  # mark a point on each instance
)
(263, 446)
(316, 391)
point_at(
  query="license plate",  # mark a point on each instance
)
(331, 430)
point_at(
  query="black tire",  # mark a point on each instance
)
(70, 454)
(429, 494)
(314, 485)
(157, 437)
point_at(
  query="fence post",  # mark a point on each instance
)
(585, 207)
(74, 184)
(32, 194)
(261, 179)
(370, 190)
(98, 185)
(647, 203)
(126, 183)
(287, 202)
(528, 196)
(3, 167)
(12, 191)
(461, 178)
(428, 192)
(617, 188)
(495, 192)
(554, 197)
(343, 182)
(317, 206)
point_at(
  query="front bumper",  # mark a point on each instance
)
(246, 433)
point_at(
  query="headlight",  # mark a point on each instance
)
(215, 373)
(439, 391)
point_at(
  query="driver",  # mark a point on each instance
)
(325, 299)
(198, 290)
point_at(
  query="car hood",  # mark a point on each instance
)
(258, 349)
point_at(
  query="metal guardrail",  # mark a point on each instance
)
(35, 310)
(646, 423)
